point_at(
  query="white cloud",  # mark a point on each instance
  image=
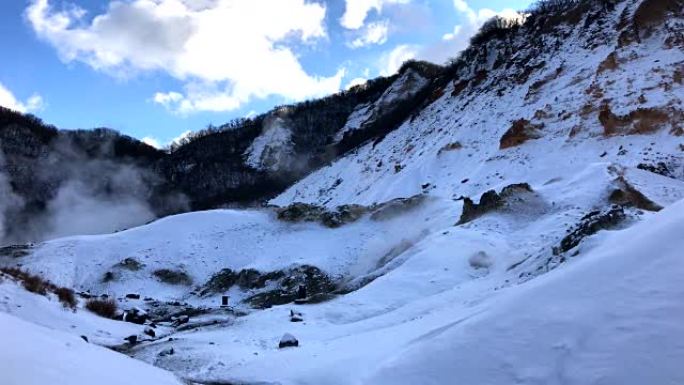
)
(452, 35)
(167, 99)
(226, 52)
(457, 40)
(392, 60)
(356, 11)
(8, 100)
(373, 33)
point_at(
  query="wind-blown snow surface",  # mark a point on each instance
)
(36, 355)
(611, 318)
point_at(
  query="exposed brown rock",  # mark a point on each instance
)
(639, 121)
(648, 16)
(527, 72)
(459, 87)
(450, 147)
(490, 201)
(627, 195)
(536, 86)
(436, 94)
(652, 13)
(480, 76)
(520, 132)
(608, 64)
(678, 76)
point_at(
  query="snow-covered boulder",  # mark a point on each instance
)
(288, 340)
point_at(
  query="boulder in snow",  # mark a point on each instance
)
(166, 352)
(296, 316)
(288, 340)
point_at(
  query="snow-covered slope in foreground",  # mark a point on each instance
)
(610, 317)
(35, 355)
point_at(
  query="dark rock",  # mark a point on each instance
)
(173, 277)
(181, 320)
(131, 264)
(658, 168)
(590, 224)
(16, 251)
(150, 332)
(342, 215)
(301, 292)
(250, 279)
(220, 282)
(296, 316)
(135, 315)
(132, 339)
(300, 212)
(288, 340)
(270, 298)
(246, 279)
(304, 212)
(108, 277)
(395, 207)
(133, 296)
(310, 278)
(166, 352)
(85, 338)
(490, 201)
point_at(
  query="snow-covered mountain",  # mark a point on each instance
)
(515, 217)
(529, 107)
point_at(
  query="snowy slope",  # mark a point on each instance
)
(47, 312)
(203, 243)
(611, 317)
(406, 86)
(35, 355)
(578, 110)
(273, 150)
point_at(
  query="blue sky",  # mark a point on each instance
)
(156, 68)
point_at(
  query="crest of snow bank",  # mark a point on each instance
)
(612, 317)
(36, 355)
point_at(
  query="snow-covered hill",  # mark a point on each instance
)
(522, 224)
